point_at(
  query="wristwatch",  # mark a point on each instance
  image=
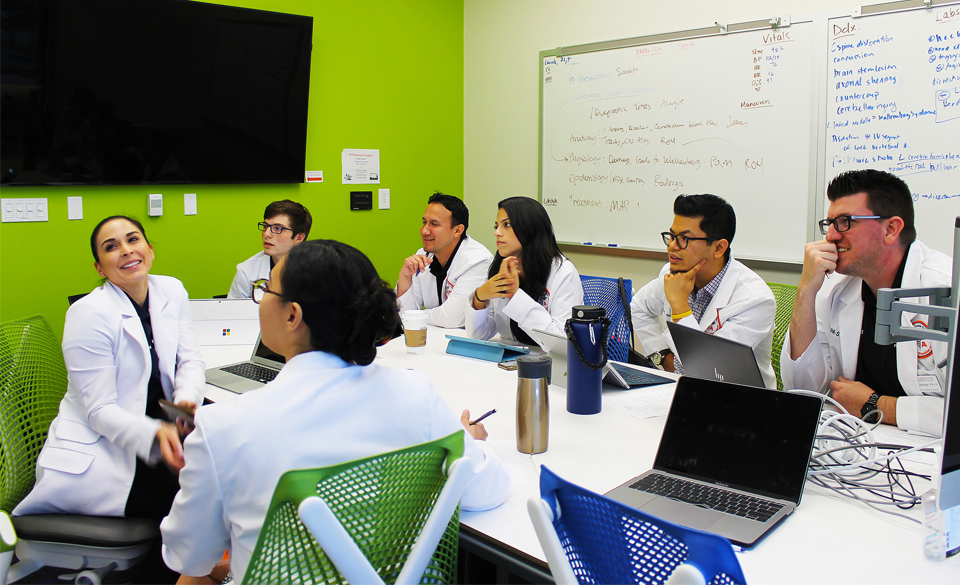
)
(657, 357)
(869, 406)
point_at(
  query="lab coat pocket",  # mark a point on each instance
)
(69, 430)
(64, 460)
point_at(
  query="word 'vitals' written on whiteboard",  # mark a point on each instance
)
(625, 131)
(893, 103)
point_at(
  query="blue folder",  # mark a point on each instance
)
(480, 349)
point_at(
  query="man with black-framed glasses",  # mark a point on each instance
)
(285, 224)
(870, 243)
(704, 287)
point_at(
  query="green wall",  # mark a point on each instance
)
(385, 74)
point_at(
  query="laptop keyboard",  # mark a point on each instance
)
(638, 378)
(707, 496)
(251, 372)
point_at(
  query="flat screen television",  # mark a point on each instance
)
(135, 92)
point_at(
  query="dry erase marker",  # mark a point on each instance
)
(485, 415)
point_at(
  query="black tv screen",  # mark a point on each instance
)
(151, 92)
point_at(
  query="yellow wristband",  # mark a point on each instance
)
(682, 315)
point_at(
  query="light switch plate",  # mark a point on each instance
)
(384, 198)
(23, 210)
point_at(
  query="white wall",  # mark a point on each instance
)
(502, 43)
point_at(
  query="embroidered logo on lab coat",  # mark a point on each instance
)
(715, 326)
(924, 349)
(545, 301)
(447, 287)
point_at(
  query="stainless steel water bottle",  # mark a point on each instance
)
(533, 404)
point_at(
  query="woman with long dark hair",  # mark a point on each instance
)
(112, 451)
(325, 310)
(532, 285)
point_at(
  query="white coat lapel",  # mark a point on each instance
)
(719, 300)
(166, 334)
(849, 326)
(133, 328)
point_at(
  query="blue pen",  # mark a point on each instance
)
(588, 243)
(612, 245)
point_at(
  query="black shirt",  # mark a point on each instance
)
(877, 364)
(154, 387)
(440, 272)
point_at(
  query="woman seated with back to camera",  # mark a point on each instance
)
(532, 286)
(325, 310)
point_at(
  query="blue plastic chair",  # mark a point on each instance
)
(589, 538)
(599, 291)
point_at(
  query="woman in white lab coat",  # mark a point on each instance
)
(325, 310)
(111, 451)
(532, 287)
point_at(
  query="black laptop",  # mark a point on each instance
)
(732, 459)
(715, 358)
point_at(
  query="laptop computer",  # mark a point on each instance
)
(260, 369)
(615, 373)
(715, 358)
(225, 322)
(732, 459)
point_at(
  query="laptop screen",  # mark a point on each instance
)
(264, 352)
(746, 438)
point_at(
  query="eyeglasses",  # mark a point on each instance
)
(260, 290)
(682, 241)
(273, 227)
(842, 222)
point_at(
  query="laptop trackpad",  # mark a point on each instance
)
(681, 513)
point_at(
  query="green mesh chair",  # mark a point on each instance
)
(390, 518)
(33, 380)
(785, 295)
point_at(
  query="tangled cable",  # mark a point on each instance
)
(847, 459)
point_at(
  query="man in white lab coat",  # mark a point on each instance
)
(443, 274)
(285, 224)
(870, 244)
(704, 288)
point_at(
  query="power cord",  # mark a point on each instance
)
(848, 460)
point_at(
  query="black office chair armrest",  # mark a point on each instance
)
(101, 531)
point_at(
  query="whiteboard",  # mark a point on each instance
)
(893, 103)
(625, 130)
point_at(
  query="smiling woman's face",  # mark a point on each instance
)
(124, 256)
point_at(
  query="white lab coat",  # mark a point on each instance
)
(253, 268)
(467, 271)
(319, 411)
(742, 310)
(834, 352)
(564, 291)
(87, 464)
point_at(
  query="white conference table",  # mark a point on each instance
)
(827, 539)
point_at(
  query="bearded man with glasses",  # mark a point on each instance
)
(285, 224)
(870, 243)
(704, 287)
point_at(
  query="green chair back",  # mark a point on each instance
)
(785, 295)
(33, 380)
(382, 501)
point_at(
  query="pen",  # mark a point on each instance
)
(485, 415)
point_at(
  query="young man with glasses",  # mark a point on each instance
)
(703, 287)
(285, 224)
(870, 243)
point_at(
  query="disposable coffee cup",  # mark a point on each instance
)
(415, 331)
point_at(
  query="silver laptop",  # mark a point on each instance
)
(616, 373)
(715, 358)
(262, 367)
(732, 459)
(225, 322)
